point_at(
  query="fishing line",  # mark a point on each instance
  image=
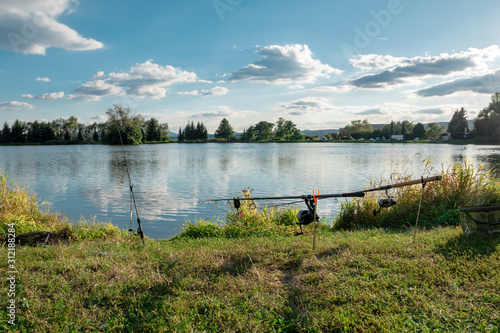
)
(131, 186)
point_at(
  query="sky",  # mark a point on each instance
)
(319, 63)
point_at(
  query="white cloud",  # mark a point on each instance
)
(376, 61)
(31, 26)
(284, 65)
(99, 88)
(15, 105)
(98, 75)
(46, 96)
(482, 84)
(142, 80)
(43, 79)
(215, 91)
(398, 71)
(306, 105)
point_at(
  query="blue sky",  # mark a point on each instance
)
(318, 63)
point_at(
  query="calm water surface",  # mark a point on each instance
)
(170, 179)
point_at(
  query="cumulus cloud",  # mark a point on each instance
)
(377, 61)
(403, 70)
(370, 112)
(99, 88)
(482, 84)
(215, 91)
(46, 96)
(306, 105)
(43, 79)
(142, 80)
(15, 105)
(31, 26)
(98, 75)
(284, 65)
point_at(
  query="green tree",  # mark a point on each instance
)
(5, 134)
(419, 130)
(433, 130)
(17, 132)
(487, 123)
(358, 128)
(264, 130)
(121, 122)
(180, 138)
(286, 129)
(201, 132)
(152, 131)
(248, 134)
(225, 130)
(458, 125)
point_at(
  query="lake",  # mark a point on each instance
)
(170, 180)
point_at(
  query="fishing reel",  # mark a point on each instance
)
(306, 217)
(384, 203)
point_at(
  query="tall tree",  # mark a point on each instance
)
(358, 128)
(225, 130)
(152, 131)
(458, 125)
(433, 130)
(487, 123)
(419, 130)
(286, 129)
(264, 130)
(122, 122)
(17, 132)
(5, 134)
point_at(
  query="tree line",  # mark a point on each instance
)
(486, 127)
(122, 126)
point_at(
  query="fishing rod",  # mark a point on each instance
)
(131, 186)
(308, 216)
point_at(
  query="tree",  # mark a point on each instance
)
(487, 123)
(286, 129)
(433, 130)
(17, 132)
(419, 130)
(264, 130)
(358, 128)
(224, 131)
(5, 133)
(180, 138)
(458, 125)
(248, 134)
(122, 123)
(152, 130)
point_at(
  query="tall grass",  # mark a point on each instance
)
(461, 185)
(246, 221)
(21, 207)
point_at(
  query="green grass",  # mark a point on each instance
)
(365, 280)
(249, 274)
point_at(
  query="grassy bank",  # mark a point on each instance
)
(252, 275)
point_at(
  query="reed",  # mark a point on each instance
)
(461, 185)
